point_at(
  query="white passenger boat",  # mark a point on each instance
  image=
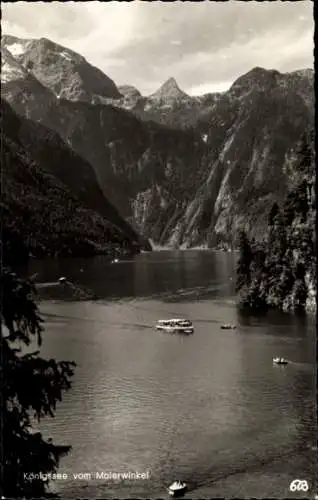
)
(177, 488)
(175, 325)
(228, 327)
(280, 361)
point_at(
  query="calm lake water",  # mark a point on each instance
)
(209, 408)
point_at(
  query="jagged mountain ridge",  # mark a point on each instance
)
(177, 188)
(44, 183)
(66, 73)
(169, 105)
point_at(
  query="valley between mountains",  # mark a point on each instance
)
(95, 168)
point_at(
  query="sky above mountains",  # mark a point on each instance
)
(205, 46)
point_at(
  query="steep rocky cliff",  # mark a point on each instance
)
(148, 171)
(67, 74)
(187, 187)
(280, 270)
(19, 86)
(250, 133)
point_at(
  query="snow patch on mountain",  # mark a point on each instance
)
(66, 56)
(10, 69)
(9, 73)
(16, 49)
(61, 70)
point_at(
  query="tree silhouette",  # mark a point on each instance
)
(30, 387)
(272, 214)
(244, 262)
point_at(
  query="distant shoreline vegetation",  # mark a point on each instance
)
(280, 271)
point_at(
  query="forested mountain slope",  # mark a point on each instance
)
(39, 203)
(280, 271)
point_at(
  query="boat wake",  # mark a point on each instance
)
(201, 479)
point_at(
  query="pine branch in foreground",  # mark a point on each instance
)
(30, 387)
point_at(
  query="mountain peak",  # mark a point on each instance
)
(129, 91)
(265, 80)
(171, 82)
(257, 76)
(169, 90)
(65, 72)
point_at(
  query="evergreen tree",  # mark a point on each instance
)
(243, 271)
(279, 271)
(276, 249)
(305, 154)
(272, 214)
(300, 199)
(300, 294)
(30, 387)
(289, 209)
(278, 237)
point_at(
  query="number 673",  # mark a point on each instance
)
(298, 485)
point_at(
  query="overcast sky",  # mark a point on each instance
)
(205, 46)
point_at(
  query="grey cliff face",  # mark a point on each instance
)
(67, 74)
(19, 86)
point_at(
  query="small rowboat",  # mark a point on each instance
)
(177, 488)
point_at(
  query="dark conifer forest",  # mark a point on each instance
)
(280, 271)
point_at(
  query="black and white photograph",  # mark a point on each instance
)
(158, 246)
